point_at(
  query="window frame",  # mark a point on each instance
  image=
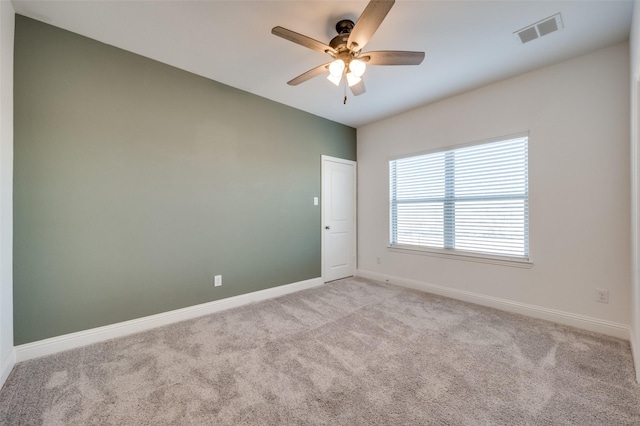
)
(452, 253)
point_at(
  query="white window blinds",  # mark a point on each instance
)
(471, 199)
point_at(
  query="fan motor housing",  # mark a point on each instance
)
(343, 28)
(339, 40)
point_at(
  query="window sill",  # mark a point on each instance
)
(469, 257)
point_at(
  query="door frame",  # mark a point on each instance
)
(323, 160)
(634, 329)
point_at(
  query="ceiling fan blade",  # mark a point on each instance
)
(358, 89)
(302, 40)
(392, 57)
(368, 23)
(313, 72)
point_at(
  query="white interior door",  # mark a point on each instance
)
(338, 218)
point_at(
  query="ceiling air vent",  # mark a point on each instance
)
(540, 28)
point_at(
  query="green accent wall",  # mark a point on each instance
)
(136, 182)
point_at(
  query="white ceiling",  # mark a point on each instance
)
(468, 43)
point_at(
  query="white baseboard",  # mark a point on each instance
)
(635, 353)
(561, 317)
(107, 332)
(7, 366)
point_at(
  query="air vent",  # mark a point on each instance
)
(528, 35)
(540, 29)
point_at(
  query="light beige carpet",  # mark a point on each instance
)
(353, 352)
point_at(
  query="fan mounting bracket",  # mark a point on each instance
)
(345, 26)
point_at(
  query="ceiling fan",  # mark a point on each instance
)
(345, 49)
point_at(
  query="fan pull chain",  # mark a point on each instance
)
(345, 94)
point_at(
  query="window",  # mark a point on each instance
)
(470, 200)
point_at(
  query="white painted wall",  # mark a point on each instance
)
(577, 113)
(634, 39)
(7, 354)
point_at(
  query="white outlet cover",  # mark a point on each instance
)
(602, 295)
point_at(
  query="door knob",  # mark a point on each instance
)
(327, 227)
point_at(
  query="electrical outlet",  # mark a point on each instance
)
(378, 260)
(217, 281)
(602, 295)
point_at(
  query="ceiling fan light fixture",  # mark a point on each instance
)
(336, 68)
(345, 49)
(357, 67)
(352, 79)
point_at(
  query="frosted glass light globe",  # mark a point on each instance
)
(336, 67)
(357, 67)
(352, 79)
